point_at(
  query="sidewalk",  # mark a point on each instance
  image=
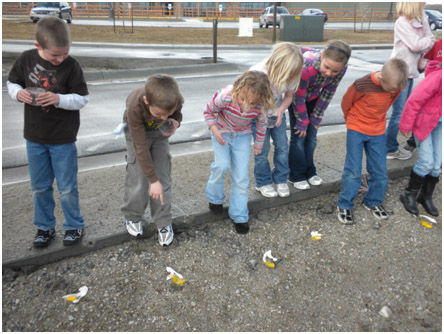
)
(101, 193)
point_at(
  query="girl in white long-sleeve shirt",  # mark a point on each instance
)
(412, 39)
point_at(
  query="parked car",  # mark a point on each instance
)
(266, 18)
(435, 18)
(59, 9)
(315, 11)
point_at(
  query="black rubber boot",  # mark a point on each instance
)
(408, 197)
(426, 193)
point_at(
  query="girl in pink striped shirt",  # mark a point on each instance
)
(229, 116)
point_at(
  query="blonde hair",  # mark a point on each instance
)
(257, 83)
(338, 51)
(284, 66)
(399, 68)
(161, 90)
(51, 31)
(411, 10)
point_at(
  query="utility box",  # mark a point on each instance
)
(301, 28)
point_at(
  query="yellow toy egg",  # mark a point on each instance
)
(71, 298)
(269, 264)
(425, 224)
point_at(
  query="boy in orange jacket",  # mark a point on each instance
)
(365, 105)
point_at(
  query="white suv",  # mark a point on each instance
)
(61, 10)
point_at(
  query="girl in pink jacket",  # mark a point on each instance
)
(423, 115)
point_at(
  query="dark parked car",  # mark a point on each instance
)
(266, 18)
(315, 11)
(61, 10)
(435, 18)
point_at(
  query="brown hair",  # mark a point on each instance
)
(338, 51)
(257, 83)
(52, 32)
(161, 90)
(400, 69)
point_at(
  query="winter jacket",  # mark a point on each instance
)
(412, 39)
(423, 109)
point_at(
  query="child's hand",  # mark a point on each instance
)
(172, 128)
(257, 151)
(24, 96)
(300, 133)
(218, 134)
(279, 119)
(48, 99)
(405, 134)
(156, 191)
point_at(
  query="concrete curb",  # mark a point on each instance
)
(108, 75)
(181, 224)
(171, 70)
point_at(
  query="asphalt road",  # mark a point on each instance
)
(107, 99)
(197, 23)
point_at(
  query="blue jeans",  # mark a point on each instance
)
(235, 154)
(375, 152)
(393, 127)
(430, 154)
(301, 153)
(45, 163)
(262, 172)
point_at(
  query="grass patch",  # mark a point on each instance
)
(169, 35)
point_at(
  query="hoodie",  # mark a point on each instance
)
(423, 109)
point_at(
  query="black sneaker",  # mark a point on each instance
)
(43, 238)
(345, 216)
(378, 211)
(72, 237)
(217, 209)
(241, 228)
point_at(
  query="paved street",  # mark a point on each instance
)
(107, 98)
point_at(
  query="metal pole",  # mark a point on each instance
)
(215, 41)
(354, 18)
(114, 16)
(274, 22)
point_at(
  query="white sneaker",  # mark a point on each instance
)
(267, 191)
(315, 180)
(134, 228)
(301, 185)
(283, 190)
(166, 235)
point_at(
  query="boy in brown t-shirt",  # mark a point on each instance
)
(153, 113)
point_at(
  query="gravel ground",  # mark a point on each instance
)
(338, 283)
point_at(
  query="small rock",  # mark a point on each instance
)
(70, 318)
(377, 225)
(328, 208)
(385, 312)
(252, 263)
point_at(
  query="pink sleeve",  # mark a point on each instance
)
(423, 92)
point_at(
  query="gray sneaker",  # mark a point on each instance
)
(400, 154)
